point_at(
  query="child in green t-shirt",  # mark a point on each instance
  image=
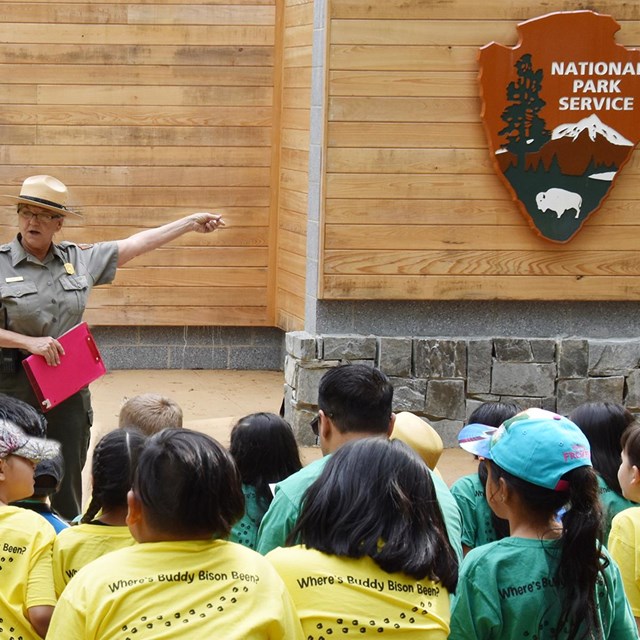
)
(551, 578)
(265, 450)
(480, 525)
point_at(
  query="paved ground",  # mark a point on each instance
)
(213, 400)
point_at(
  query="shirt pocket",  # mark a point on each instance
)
(76, 291)
(20, 299)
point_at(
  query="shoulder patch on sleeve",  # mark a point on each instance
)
(85, 246)
(4, 248)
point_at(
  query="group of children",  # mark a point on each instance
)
(152, 482)
(367, 540)
(551, 576)
(611, 435)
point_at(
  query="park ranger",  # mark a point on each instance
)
(44, 288)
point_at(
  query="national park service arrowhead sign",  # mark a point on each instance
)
(562, 114)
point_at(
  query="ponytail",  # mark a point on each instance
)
(581, 559)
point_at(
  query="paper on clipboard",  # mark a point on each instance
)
(80, 365)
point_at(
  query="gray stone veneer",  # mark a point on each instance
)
(191, 347)
(445, 379)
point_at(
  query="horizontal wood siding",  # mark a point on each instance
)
(413, 209)
(149, 111)
(294, 158)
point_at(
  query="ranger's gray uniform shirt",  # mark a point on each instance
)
(48, 298)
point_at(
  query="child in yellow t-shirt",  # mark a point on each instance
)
(375, 558)
(183, 579)
(27, 596)
(103, 527)
(624, 539)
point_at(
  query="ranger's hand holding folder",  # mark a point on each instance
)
(80, 365)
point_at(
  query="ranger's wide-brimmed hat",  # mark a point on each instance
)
(46, 192)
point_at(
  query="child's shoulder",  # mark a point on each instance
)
(70, 533)
(237, 551)
(235, 554)
(311, 470)
(295, 556)
(627, 516)
(297, 483)
(24, 523)
(79, 533)
(501, 552)
(12, 514)
(466, 483)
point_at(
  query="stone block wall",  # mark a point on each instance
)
(190, 347)
(445, 379)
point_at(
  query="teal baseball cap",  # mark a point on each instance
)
(535, 445)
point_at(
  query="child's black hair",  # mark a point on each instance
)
(630, 443)
(500, 525)
(375, 498)
(265, 450)
(30, 420)
(581, 559)
(493, 414)
(358, 398)
(188, 483)
(114, 462)
(604, 423)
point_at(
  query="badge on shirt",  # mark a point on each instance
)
(68, 267)
(14, 279)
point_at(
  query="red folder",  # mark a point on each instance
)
(80, 365)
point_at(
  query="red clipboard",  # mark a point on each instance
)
(80, 365)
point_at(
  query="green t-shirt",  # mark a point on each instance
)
(612, 504)
(283, 512)
(477, 525)
(450, 513)
(507, 590)
(245, 531)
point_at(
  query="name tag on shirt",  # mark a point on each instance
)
(14, 279)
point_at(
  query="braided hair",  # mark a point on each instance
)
(114, 461)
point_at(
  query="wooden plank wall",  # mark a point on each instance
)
(413, 209)
(294, 160)
(148, 111)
